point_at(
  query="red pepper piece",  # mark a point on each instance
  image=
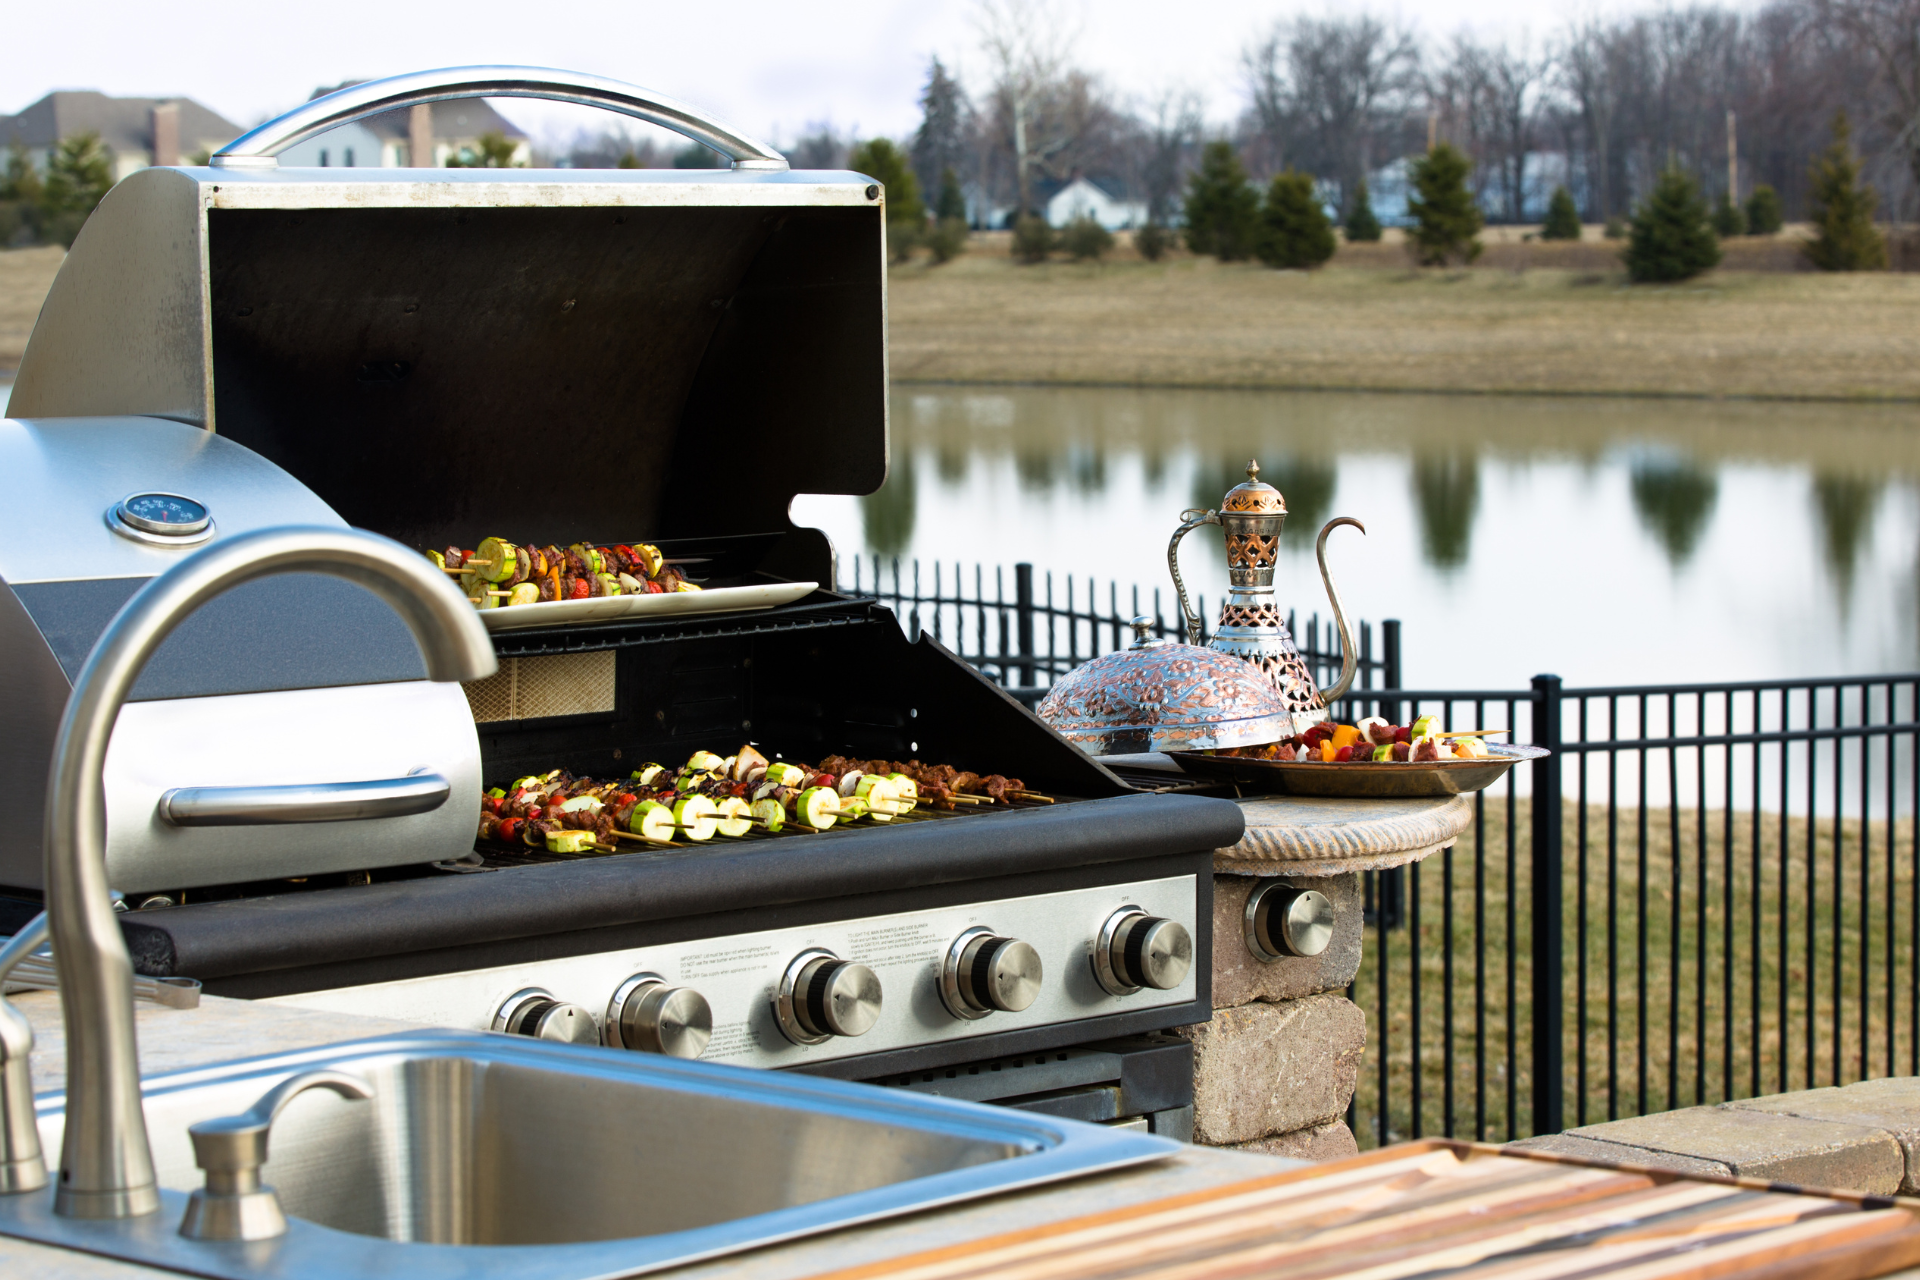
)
(1403, 733)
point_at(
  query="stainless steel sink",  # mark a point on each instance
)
(484, 1154)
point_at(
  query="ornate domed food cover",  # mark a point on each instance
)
(1161, 696)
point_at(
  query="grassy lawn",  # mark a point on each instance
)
(1692, 1052)
(25, 276)
(1535, 318)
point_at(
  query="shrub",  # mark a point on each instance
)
(1362, 226)
(1765, 217)
(952, 202)
(1563, 217)
(1294, 231)
(1616, 228)
(1084, 238)
(1842, 209)
(1221, 208)
(906, 215)
(1671, 238)
(1728, 218)
(1032, 239)
(1153, 241)
(1445, 219)
(948, 239)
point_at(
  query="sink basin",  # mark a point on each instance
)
(484, 1154)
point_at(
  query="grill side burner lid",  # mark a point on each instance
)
(442, 353)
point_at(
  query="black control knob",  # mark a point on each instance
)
(984, 972)
(1284, 921)
(822, 996)
(1137, 950)
(534, 1012)
(649, 1016)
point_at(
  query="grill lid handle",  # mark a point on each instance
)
(257, 148)
(420, 792)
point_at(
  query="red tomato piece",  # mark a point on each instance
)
(824, 780)
(581, 589)
(1343, 755)
(1403, 733)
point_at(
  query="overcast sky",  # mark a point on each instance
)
(768, 66)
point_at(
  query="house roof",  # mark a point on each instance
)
(124, 124)
(465, 118)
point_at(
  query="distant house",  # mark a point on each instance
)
(1082, 199)
(441, 131)
(136, 132)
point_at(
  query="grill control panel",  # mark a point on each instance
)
(784, 997)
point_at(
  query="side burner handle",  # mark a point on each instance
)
(257, 148)
(421, 792)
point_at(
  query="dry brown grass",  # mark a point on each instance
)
(25, 277)
(1536, 317)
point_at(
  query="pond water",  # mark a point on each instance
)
(1609, 541)
(1606, 540)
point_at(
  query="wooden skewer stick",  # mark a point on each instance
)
(1034, 796)
(1469, 733)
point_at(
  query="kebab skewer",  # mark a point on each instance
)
(500, 574)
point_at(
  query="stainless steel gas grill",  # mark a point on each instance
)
(568, 357)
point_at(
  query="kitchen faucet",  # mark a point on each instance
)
(106, 1167)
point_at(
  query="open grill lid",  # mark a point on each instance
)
(441, 354)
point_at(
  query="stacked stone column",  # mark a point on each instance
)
(1275, 1068)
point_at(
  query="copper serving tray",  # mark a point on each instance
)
(1369, 780)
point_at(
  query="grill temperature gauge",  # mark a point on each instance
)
(161, 519)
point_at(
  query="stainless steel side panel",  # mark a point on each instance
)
(354, 734)
(59, 478)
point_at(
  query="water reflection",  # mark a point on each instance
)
(887, 515)
(1674, 501)
(1306, 485)
(1446, 492)
(1036, 470)
(1845, 504)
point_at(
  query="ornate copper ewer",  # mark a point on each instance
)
(1251, 625)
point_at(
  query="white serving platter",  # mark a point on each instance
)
(573, 613)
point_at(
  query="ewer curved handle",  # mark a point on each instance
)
(1349, 662)
(1190, 519)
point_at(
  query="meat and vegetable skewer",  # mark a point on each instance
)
(499, 574)
(730, 796)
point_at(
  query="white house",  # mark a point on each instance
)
(1082, 199)
(442, 131)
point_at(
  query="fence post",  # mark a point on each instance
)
(1023, 614)
(1548, 1012)
(1390, 665)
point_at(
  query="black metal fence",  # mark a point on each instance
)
(1023, 629)
(1706, 892)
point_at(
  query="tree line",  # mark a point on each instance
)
(1736, 99)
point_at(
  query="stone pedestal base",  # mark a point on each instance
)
(1269, 1068)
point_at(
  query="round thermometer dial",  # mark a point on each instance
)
(161, 518)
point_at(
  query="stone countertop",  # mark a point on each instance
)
(1330, 836)
(222, 1030)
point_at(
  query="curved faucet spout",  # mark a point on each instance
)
(106, 1168)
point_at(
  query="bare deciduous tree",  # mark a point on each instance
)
(1026, 48)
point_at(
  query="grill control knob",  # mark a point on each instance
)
(984, 972)
(534, 1012)
(822, 996)
(649, 1016)
(1137, 950)
(1284, 921)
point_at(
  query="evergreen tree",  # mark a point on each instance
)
(1842, 209)
(1765, 217)
(78, 175)
(1222, 208)
(1728, 218)
(1563, 217)
(1671, 238)
(1361, 226)
(1446, 221)
(1294, 230)
(906, 216)
(940, 143)
(1032, 239)
(952, 202)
